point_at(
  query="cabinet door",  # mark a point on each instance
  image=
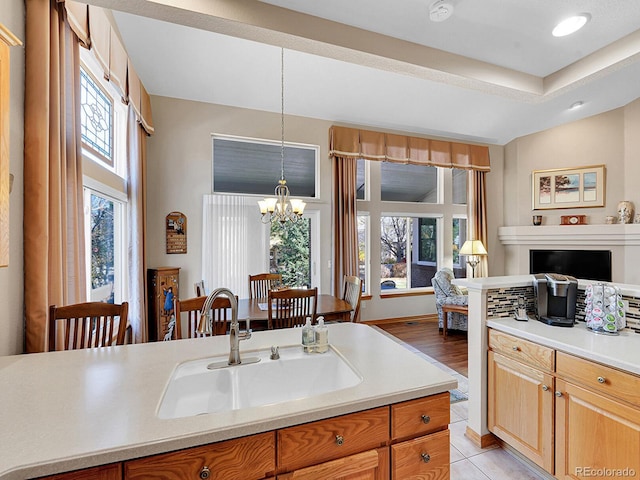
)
(370, 465)
(520, 408)
(596, 436)
(104, 472)
(423, 458)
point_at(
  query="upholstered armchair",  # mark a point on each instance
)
(449, 294)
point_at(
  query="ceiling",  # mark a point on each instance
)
(490, 73)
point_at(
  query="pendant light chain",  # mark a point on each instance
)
(280, 207)
(282, 114)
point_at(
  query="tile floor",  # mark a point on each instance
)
(468, 461)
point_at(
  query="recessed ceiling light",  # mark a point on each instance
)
(440, 10)
(571, 25)
(576, 105)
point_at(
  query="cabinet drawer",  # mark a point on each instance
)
(329, 439)
(248, 458)
(422, 458)
(600, 378)
(421, 416)
(522, 350)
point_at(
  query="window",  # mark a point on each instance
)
(415, 223)
(103, 132)
(408, 183)
(104, 246)
(290, 252)
(363, 251)
(96, 118)
(252, 167)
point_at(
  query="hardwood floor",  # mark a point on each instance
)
(422, 333)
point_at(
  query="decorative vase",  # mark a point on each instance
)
(625, 211)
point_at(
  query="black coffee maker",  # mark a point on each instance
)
(556, 296)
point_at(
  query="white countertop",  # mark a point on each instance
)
(621, 351)
(62, 411)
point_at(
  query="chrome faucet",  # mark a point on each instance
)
(205, 325)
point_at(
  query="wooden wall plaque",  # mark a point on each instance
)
(176, 228)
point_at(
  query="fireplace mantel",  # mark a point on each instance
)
(571, 235)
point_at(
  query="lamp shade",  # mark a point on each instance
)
(473, 247)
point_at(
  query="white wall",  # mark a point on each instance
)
(611, 139)
(11, 277)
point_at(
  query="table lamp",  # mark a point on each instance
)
(473, 249)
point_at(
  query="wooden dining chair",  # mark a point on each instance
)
(352, 293)
(87, 325)
(190, 310)
(260, 284)
(291, 307)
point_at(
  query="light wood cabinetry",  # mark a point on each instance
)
(597, 420)
(520, 396)
(574, 417)
(162, 284)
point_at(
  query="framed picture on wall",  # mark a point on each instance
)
(580, 187)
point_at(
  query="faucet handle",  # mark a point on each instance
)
(248, 322)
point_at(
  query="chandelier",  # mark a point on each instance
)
(281, 208)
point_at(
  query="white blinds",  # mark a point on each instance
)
(235, 243)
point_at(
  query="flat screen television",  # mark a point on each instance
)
(582, 264)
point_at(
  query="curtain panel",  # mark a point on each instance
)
(54, 267)
(477, 213)
(354, 143)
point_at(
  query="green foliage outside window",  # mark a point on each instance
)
(290, 252)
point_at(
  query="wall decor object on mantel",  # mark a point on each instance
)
(580, 187)
(176, 229)
(573, 220)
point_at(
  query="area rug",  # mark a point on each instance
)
(457, 396)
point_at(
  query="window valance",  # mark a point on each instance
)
(94, 30)
(387, 147)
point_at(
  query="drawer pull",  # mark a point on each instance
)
(205, 473)
(601, 379)
(339, 440)
(425, 418)
(515, 348)
(425, 457)
(558, 394)
(545, 388)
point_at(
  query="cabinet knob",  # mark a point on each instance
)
(601, 379)
(545, 388)
(205, 473)
(515, 348)
(558, 393)
(425, 457)
(425, 418)
(339, 440)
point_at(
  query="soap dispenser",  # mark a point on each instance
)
(322, 336)
(308, 336)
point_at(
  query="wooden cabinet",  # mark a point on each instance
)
(520, 408)
(597, 420)
(402, 441)
(163, 289)
(104, 472)
(247, 458)
(574, 417)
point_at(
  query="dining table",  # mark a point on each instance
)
(330, 307)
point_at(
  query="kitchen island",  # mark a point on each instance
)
(64, 411)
